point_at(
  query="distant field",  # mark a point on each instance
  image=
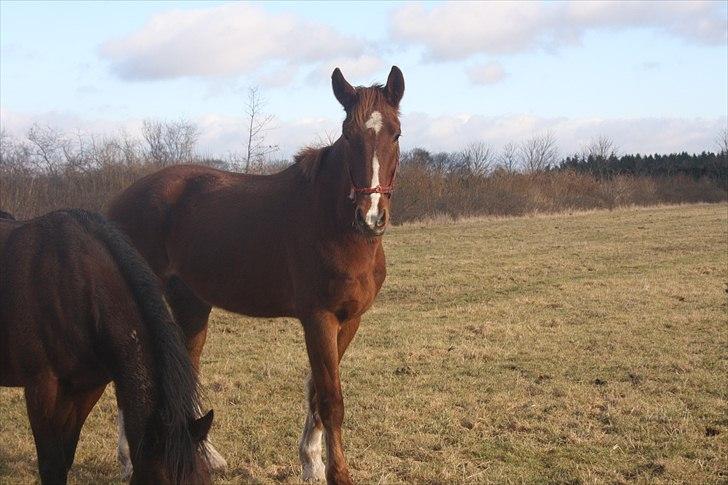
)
(584, 348)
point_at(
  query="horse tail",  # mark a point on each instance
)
(176, 380)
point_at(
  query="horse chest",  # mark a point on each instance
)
(350, 295)
(351, 276)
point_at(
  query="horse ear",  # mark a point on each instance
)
(201, 426)
(395, 86)
(343, 91)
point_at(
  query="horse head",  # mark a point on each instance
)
(370, 136)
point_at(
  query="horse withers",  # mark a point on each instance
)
(79, 308)
(303, 243)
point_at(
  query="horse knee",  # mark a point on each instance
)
(331, 408)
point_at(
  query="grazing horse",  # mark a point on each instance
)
(303, 243)
(79, 307)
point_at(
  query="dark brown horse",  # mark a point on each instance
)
(302, 243)
(79, 307)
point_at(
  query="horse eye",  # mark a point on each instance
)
(396, 137)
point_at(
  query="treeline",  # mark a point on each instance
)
(705, 164)
(49, 169)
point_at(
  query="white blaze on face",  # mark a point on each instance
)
(374, 123)
(373, 212)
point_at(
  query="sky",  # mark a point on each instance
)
(651, 75)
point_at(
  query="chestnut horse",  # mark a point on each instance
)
(303, 243)
(79, 307)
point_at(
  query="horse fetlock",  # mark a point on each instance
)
(314, 471)
(338, 476)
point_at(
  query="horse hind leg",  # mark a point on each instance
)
(122, 449)
(309, 447)
(192, 314)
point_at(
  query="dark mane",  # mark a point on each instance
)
(309, 160)
(176, 380)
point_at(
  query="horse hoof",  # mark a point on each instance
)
(214, 459)
(314, 472)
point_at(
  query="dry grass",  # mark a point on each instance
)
(584, 348)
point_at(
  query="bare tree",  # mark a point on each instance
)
(7, 147)
(600, 148)
(722, 141)
(508, 157)
(170, 142)
(477, 158)
(48, 149)
(258, 123)
(539, 152)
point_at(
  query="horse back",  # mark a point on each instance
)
(61, 298)
(144, 210)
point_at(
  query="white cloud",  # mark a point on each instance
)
(352, 68)
(459, 30)
(221, 135)
(489, 73)
(223, 41)
(631, 135)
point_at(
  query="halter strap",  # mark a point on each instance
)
(379, 189)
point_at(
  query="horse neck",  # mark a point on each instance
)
(150, 425)
(332, 190)
(148, 430)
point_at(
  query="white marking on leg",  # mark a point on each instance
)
(122, 449)
(373, 213)
(375, 121)
(309, 447)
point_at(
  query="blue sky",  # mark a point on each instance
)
(651, 75)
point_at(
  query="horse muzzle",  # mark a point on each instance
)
(371, 225)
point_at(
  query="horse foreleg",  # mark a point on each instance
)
(309, 447)
(321, 332)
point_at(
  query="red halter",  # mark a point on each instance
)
(379, 189)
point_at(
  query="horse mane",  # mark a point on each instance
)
(309, 160)
(176, 380)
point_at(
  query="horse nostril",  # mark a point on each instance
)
(382, 221)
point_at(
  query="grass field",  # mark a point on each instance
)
(584, 348)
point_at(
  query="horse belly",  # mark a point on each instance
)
(254, 286)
